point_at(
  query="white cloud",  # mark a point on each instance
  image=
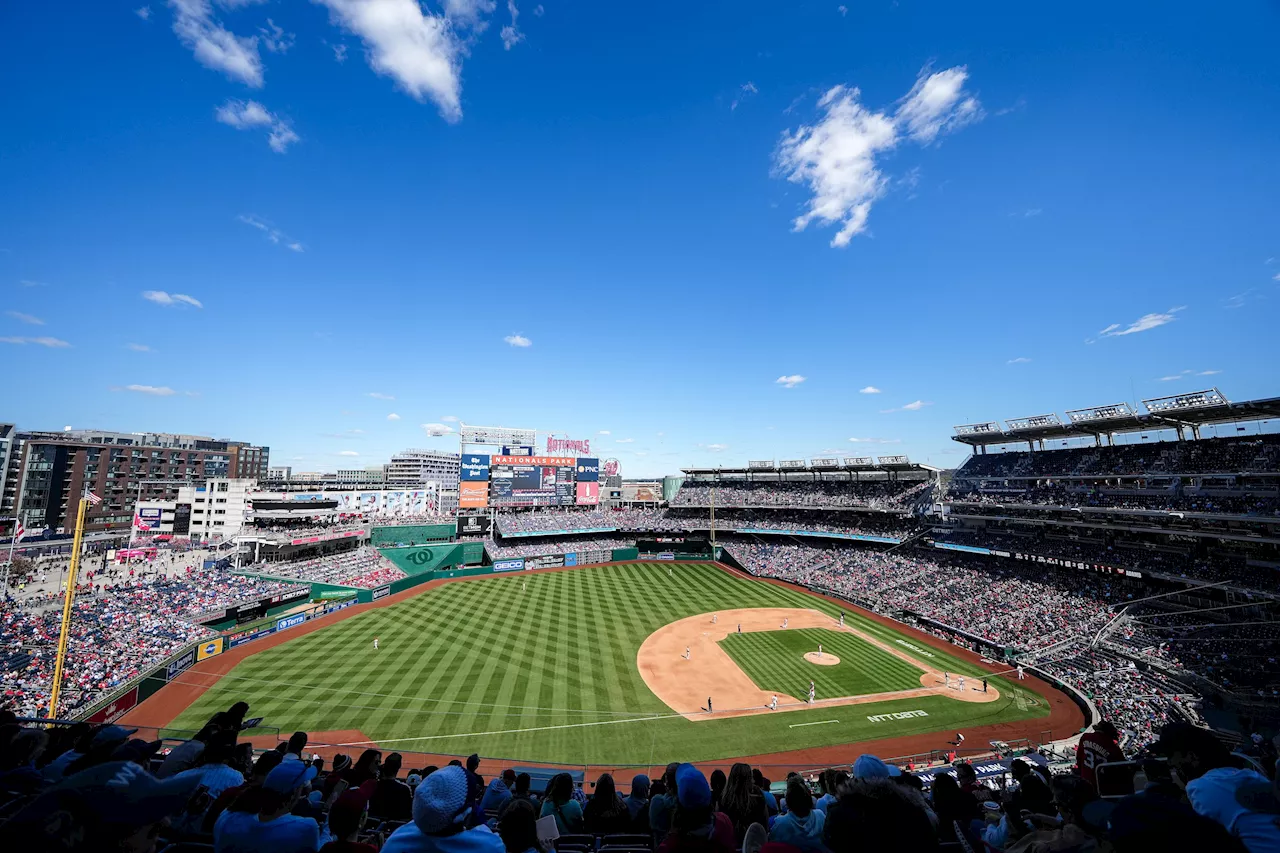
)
(518, 340)
(875, 441)
(214, 46)
(248, 115)
(714, 448)
(538, 11)
(1208, 373)
(26, 282)
(437, 430)
(296, 247)
(604, 432)
(274, 38)
(1031, 211)
(393, 417)
(450, 419)
(138, 347)
(417, 50)
(789, 381)
(348, 453)
(1019, 360)
(171, 300)
(143, 12)
(843, 10)
(469, 14)
(914, 406)
(1142, 324)
(379, 396)
(870, 389)
(275, 235)
(53, 343)
(152, 390)
(836, 158)
(745, 91)
(623, 440)
(938, 104)
(1276, 277)
(340, 52)
(25, 318)
(1186, 373)
(1169, 378)
(511, 35)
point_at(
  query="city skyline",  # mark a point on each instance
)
(825, 230)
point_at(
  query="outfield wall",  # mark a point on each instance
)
(412, 534)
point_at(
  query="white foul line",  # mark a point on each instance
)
(818, 723)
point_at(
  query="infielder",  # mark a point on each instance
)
(686, 653)
(819, 649)
(773, 704)
(739, 627)
(784, 622)
(715, 617)
(842, 620)
(946, 678)
(962, 684)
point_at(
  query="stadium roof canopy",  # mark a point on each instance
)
(1182, 410)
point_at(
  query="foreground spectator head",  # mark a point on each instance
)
(238, 711)
(391, 766)
(799, 797)
(640, 786)
(870, 767)
(718, 783)
(139, 751)
(965, 774)
(297, 743)
(440, 802)
(876, 814)
(560, 789)
(1072, 795)
(518, 828)
(348, 815)
(692, 788)
(112, 806)
(289, 779)
(1192, 751)
(508, 777)
(1143, 822)
(266, 762)
(523, 783)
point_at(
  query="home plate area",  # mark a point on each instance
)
(723, 658)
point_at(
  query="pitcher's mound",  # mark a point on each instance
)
(824, 659)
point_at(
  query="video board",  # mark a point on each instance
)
(532, 481)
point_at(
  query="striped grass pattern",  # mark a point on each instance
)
(774, 660)
(542, 667)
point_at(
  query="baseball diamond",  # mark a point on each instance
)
(548, 667)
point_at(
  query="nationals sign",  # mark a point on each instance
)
(568, 445)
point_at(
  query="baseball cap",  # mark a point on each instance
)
(288, 777)
(440, 800)
(137, 750)
(112, 735)
(870, 767)
(106, 801)
(692, 788)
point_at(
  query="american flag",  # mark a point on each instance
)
(93, 499)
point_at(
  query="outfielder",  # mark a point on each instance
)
(375, 644)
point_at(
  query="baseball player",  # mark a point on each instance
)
(715, 617)
(962, 684)
(812, 693)
(984, 685)
(785, 622)
(773, 704)
(842, 619)
(375, 644)
(739, 627)
(946, 680)
(819, 649)
(709, 710)
(686, 653)
(524, 585)
(959, 738)
(1020, 675)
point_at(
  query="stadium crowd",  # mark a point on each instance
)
(1174, 498)
(81, 788)
(1248, 454)
(684, 519)
(349, 568)
(872, 494)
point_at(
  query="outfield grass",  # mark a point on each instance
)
(774, 660)
(548, 673)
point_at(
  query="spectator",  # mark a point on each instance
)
(801, 826)
(1033, 794)
(246, 797)
(1071, 794)
(1241, 801)
(498, 792)
(955, 808)
(76, 741)
(297, 743)
(111, 806)
(216, 774)
(185, 755)
(718, 781)
(518, 828)
(441, 807)
(662, 804)
(606, 813)
(742, 802)
(695, 826)
(18, 773)
(876, 814)
(346, 820)
(521, 792)
(638, 803)
(392, 799)
(272, 829)
(1097, 747)
(560, 802)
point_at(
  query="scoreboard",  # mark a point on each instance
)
(532, 481)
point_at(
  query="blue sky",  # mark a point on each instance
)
(286, 221)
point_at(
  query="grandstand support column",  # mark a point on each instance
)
(61, 659)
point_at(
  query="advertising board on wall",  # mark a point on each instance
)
(508, 565)
(290, 621)
(588, 494)
(473, 495)
(241, 637)
(587, 470)
(380, 592)
(587, 558)
(474, 524)
(571, 559)
(209, 649)
(643, 492)
(475, 467)
(544, 562)
(116, 709)
(148, 518)
(175, 667)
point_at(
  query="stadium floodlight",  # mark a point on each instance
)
(825, 462)
(498, 436)
(1210, 399)
(978, 429)
(894, 460)
(1033, 422)
(761, 463)
(1113, 412)
(859, 462)
(792, 463)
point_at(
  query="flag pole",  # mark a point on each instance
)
(63, 635)
(13, 541)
